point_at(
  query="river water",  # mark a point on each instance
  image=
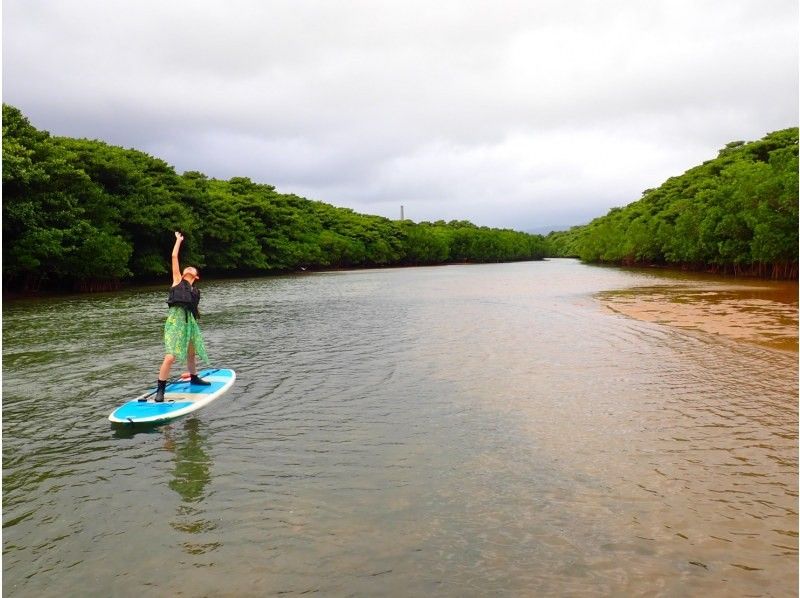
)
(512, 429)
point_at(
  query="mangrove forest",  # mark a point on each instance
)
(82, 214)
(735, 214)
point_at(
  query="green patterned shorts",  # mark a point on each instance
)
(179, 331)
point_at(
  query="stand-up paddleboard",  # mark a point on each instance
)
(180, 398)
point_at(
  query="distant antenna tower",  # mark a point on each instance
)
(402, 216)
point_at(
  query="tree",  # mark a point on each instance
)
(737, 212)
(82, 212)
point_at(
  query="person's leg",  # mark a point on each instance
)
(166, 366)
(191, 361)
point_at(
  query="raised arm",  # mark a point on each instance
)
(176, 269)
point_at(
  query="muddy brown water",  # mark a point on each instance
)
(543, 428)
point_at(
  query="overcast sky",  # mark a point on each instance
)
(515, 114)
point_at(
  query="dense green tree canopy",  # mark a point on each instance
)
(737, 213)
(86, 214)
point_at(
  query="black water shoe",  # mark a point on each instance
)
(162, 386)
(198, 381)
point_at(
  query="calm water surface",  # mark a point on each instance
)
(452, 431)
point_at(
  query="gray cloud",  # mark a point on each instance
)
(506, 113)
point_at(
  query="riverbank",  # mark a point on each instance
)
(144, 283)
(776, 272)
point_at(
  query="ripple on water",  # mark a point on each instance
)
(466, 430)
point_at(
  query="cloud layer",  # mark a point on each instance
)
(519, 114)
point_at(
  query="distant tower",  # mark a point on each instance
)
(402, 217)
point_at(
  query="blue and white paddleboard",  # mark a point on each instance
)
(180, 398)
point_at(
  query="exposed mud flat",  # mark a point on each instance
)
(765, 315)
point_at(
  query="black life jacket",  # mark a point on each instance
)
(186, 296)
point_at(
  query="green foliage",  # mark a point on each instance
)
(79, 212)
(736, 213)
(52, 223)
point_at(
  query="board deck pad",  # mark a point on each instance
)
(180, 398)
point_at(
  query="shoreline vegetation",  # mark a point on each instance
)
(736, 214)
(158, 281)
(82, 215)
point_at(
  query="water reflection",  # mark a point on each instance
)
(127, 431)
(190, 478)
(192, 464)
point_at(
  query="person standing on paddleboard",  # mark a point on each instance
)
(183, 340)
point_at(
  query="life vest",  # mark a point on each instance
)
(186, 296)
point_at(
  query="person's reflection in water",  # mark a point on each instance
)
(190, 479)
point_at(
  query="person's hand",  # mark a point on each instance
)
(178, 237)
